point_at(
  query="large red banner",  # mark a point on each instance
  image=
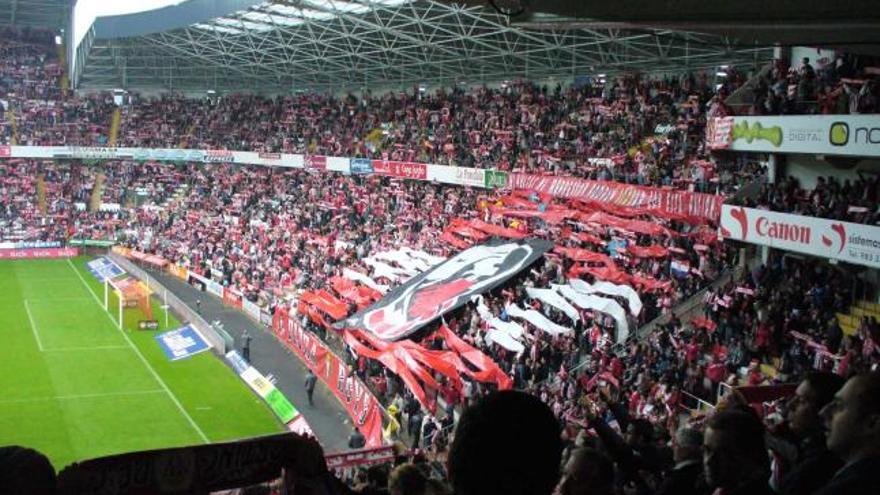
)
(38, 253)
(361, 405)
(695, 207)
(403, 170)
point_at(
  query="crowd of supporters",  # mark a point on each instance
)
(852, 201)
(845, 85)
(611, 407)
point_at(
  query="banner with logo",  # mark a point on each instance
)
(8, 254)
(495, 179)
(462, 176)
(103, 268)
(232, 297)
(361, 166)
(851, 135)
(219, 156)
(338, 164)
(92, 153)
(694, 207)
(445, 287)
(851, 242)
(261, 385)
(362, 407)
(178, 271)
(250, 308)
(30, 244)
(214, 288)
(182, 342)
(401, 170)
(90, 243)
(318, 162)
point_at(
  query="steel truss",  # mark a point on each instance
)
(280, 46)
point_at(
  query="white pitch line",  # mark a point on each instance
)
(142, 358)
(93, 348)
(83, 396)
(33, 326)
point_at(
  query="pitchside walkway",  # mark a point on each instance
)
(327, 418)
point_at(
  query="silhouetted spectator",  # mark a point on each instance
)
(507, 443)
(853, 422)
(734, 454)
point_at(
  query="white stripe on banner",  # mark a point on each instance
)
(600, 304)
(549, 296)
(602, 287)
(540, 321)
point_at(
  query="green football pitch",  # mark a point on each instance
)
(74, 386)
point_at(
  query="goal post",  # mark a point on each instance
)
(130, 293)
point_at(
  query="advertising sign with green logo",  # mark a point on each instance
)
(496, 179)
(850, 135)
(90, 243)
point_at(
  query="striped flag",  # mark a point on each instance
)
(719, 133)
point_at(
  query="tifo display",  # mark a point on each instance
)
(622, 283)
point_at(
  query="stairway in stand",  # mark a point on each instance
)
(849, 323)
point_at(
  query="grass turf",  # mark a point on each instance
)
(74, 387)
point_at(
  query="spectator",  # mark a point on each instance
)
(407, 480)
(25, 471)
(853, 422)
(356, 440)
(688, 470)
(311, 380)
(734, 455)
(587, 472)
(812, 464)
(507, 443)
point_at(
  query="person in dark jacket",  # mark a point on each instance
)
(687, 452)
(812, 465)
(734, 453)
(357, 440)
(853, 422)
(311, 380)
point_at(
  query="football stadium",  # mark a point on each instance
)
(431, 247)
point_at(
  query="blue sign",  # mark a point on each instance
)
(361, 166)
(182, 343)
(103, 268)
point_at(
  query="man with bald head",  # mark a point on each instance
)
(853, 422)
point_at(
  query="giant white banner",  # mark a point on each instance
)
(851, 242)
(851, 135)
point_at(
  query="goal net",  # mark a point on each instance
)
(130, 293)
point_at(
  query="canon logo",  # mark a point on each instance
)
(782, 231)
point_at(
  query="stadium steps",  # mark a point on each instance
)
(184, 142)
(849, 323)
(115, 122)
(97, 192)
(744, 96)
(61, 51)
(41, 195)
(13, 125)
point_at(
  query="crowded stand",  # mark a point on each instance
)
(689, 406)
(852, 201)
(845, 85)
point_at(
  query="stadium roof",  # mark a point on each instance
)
(335, 44)
(46, 14)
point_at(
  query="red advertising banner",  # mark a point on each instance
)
(315, 161)
(694, 207)
(5, 151)
(363, 457)
(403, 170)
(361, 405)
(232, 298)
(9, 254)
